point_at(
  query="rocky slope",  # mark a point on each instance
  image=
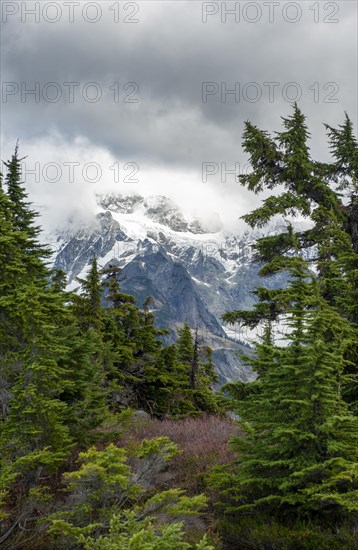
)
(192, 270)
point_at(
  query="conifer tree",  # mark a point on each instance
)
(200, 372)
(23, 216)
(115, 297)
(34, 253)
(167, 383)
(115, 512)
(12, 270)
(185, 344)
(121, 322)
(34, 433)
(343, 171)
(194, 363)
(92, 350)
(34, 325)
(297, 457)
(326, 193)
(88, 304)
(300, 448)
(310, 186)
(148, 334)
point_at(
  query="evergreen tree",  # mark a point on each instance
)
(59, 280)
(199, 368)
(36, 414)
(121, 325)
(148, 341)
(135, 377)
(185, 345)
(324, 193)
(30, 313)
(343, 171)
(195, 365)
(37, 330)
(23, 216)
(309, 187)
(168, 384)
(23, 219)
(88, 305)
(12, 271)
(34, 434)
(112, 278)
(299, 451)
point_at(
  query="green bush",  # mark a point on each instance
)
(108, 506)
(269, 534)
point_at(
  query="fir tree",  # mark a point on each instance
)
(300, 446)
(200, 372)
(12, 271)
(298, 453)
(114, 296)
(23, 219)
(185, 345)
(324, 193)
(194, 363)
(88, 304)
(37, 330)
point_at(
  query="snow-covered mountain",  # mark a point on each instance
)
(193, 270)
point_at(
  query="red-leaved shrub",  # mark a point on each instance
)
(202, 442)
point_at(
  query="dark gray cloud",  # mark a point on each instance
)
(169, 53)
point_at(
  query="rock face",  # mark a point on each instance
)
(97, 240)
(190, 273)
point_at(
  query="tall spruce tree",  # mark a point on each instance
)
(36, 330)
(326, 194)
(298, 455)
(310, 187)
(35, 255)
(12, 269)
(88, 304)
(199, 368)
(87, 357)
(185, 344)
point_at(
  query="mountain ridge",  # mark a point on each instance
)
(190, 273)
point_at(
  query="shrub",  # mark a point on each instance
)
(107, 505)
(268, 534)
(202, 442)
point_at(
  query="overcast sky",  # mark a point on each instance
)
(141, 89)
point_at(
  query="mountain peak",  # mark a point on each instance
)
(121, 204)
(159, 209)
